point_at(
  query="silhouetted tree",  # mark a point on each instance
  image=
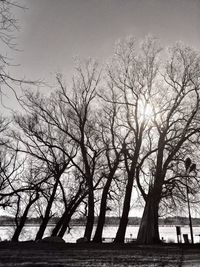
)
(176, 124)
(131, 77)
(112, 140)
(70, 206)
(20, 218)
(81, 127)
(10, 169)
(39, 141)
(71, 112)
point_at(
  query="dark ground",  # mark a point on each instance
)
(89, 255)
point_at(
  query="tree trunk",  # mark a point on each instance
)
(69, 214)
(148, 231)
(21, 224)
(65, 225)
(126, 207)
(127, 199)
(62, 224)
(90, 216)
(58, 225)
(102, 215)
(46, 218)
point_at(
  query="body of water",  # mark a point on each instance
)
(168, 233)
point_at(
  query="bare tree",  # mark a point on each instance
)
(82, 130)
(72, 198)
(39, 140)
(72, 113)
(8, 27)
(69, 121)
(132, 74)
(10, 169)
(176, 124)
(112, 141)
(26, 199)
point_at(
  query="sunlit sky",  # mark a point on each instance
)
(53, 32)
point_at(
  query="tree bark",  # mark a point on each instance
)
(21, 224)
(102, 215)
(65, 224)
(126, 207)
(148, 231)
(46, 218)
(59, 224)
(90, 216)
(68, 216)
(70, 208)
(127, 199)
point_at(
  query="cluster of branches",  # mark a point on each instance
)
(9, 25)
(85, 147)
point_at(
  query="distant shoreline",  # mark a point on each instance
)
(110, 221)
(106, 225)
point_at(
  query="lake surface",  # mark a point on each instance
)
(168, 233)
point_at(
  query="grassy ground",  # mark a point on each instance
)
(28, 254)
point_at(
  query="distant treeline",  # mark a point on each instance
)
(176, 220)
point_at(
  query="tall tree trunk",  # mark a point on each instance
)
(90, 215)
(126, 207)
(102, 214)
(148, 231)
(23, 219)
(89, 181)
(127, 199)
(46, 218)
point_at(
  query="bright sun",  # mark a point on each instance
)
(146, 111)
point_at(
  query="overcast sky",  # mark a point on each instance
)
(53, 32)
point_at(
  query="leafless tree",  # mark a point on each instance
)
(132, 73)
(69, 120)
(72, 113)
(39, 141)
(24, 200)
(176, 127)
(112, 142)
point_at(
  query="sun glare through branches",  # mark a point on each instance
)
(145, 111)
